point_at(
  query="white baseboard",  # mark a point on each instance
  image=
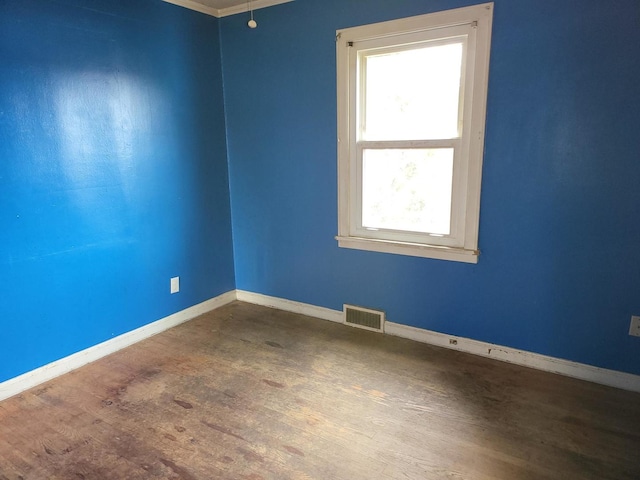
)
(290, 306)
(581, 371)
(52, 370)
(612, 378)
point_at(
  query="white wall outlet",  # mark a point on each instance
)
(634, 329)
(175, 284)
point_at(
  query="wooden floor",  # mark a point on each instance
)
(252, 393)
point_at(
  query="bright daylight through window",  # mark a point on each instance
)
(411, 111)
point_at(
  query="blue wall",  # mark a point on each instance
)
(559, 272)
(113, 172)
(113, 175)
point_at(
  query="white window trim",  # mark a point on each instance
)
(480, 17)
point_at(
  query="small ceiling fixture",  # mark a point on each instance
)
(252, 23)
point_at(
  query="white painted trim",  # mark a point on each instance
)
(198, 7)
(412, 249)
(225, 12)
(255, 4)
(290, 306)
(52, 370)
(461, 244)
(603, 376)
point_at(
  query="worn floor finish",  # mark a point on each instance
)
(252, 393)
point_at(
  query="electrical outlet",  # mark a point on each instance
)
(175, 284)
(634, 329)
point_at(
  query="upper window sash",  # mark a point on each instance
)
(360, 51)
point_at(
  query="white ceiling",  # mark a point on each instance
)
(224, 8)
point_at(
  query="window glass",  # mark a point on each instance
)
(407, 189)
(413, 93)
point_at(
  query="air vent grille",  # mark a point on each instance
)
(364, 318)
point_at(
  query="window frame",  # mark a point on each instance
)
(476, 22)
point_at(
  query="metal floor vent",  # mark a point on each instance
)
(364, 318)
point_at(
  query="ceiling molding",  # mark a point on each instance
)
(198, 7)
(225, 12)
(256, 4)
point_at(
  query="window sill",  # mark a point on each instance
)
(411, 249)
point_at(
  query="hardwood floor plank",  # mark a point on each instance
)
(247, 392)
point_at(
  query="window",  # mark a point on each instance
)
(411, 113)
